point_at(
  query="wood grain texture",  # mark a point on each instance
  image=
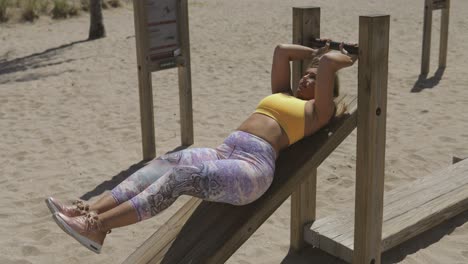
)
(444, 31)
(145, 87)
(426, 41)
(408, 211)
(371, 132)
(306, 26)
(185, 78)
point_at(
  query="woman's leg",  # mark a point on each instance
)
(239, 180)
(141, 179)
(133, 185)
(230, 181)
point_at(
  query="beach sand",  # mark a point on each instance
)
(70, 121)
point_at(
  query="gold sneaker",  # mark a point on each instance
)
(76, 209)
(86, 229)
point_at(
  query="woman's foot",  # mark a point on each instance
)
(86, 229)
(76, 209)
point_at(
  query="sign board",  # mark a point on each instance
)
(439, 4)
(162, 42)
(163, 32)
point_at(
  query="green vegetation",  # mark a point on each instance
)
(4, 4)
(60, 9)
(30, 10)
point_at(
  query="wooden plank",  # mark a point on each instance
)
(161, 240)
(144, 82)
(185, 78)
(426, 41)
(215, 231)
(371, 128)
(306, 26)
(444, 29)
(398, 201)
(409, 210)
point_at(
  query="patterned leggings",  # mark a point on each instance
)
(237, 172)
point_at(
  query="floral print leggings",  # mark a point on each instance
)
(237, 172)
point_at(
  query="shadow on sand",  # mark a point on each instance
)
(36, 60)
(424, 240)
(428, 83)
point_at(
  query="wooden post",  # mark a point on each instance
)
(370, 160)
(303, 208)
(429, 7)
(444, 27)
(162, 42)
(144, 83)
(185, 78)
(426, 45)
(306, 26)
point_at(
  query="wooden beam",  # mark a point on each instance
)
(306, 26)
(426, 42)
(215, 230)
(156, 246)
(303, 210)
(409, 210)
(371, 127)
(144, 83)
(444, 28)
(185, 77)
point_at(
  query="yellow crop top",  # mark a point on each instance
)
(288, 111)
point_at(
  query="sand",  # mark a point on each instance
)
(70, 122)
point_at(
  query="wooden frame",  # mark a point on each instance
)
(208, 232)
(148, 62)
(372, 98)
(429, 7)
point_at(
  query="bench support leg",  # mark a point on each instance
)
(371, 126)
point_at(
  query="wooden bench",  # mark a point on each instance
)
(408, 211)
(206, 232)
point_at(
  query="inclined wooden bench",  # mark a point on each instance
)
(206, 232)
(408, 211)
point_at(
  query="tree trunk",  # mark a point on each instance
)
(96, 28)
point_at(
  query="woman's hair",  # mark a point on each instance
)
(340, 108)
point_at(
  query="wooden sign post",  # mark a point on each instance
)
(162, 42)
(429, 6)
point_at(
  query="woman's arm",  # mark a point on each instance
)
(329, 64)
(281, 72)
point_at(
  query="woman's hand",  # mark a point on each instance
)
(345, 52)
(338, 60)
(317, 53)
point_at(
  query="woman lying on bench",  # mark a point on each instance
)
(238, 171)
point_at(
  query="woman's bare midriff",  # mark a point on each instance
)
(266, 128)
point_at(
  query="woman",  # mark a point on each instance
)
(237, 172)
